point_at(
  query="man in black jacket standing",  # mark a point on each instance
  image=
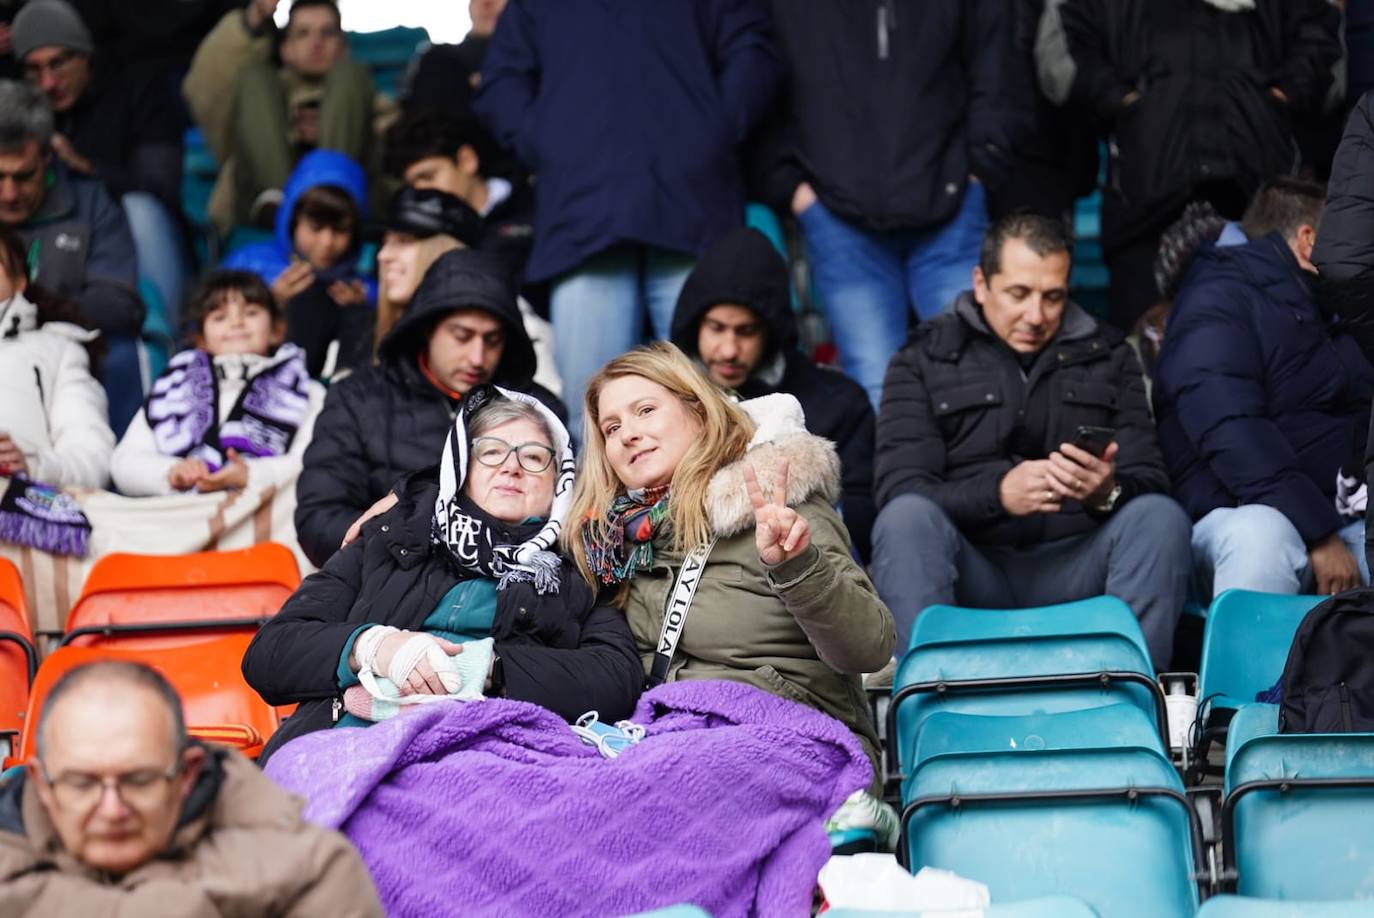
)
(734, 316)
(462, 328)
(994, 489)
(1198, 97)
(896, 117)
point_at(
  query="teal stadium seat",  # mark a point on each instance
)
(1244, 648)
(388, 54)
(1020, 661)
(1298, 816)
(1048, 907)
(1242, 907)
(1082, 803)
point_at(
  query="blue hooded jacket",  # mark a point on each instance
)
(320, 167)
(1259, 399)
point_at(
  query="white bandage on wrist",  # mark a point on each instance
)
(368, 644)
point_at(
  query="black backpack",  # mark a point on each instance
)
(1328, 681)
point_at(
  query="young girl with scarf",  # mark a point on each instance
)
(235, 410)
(456, 592)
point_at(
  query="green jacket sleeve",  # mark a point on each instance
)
(832, 598)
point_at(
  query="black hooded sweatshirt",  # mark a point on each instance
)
(387, 420)
(744, 269)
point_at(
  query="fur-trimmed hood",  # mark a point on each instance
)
(813, 466)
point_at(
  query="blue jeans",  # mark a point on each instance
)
(598, 313)
(1255, 547)
(869, 283)
(161, 252)
(1139, 555)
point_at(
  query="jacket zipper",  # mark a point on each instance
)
(335, 709)
(42, 400)
(887, 21)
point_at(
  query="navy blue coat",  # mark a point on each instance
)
(630, 114)
(1259, 400)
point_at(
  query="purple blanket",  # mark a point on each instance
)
(497, 808)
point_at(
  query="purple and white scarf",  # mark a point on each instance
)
(183, 408)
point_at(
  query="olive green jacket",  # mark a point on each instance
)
(805, 629)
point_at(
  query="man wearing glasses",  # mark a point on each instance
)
(118, 814)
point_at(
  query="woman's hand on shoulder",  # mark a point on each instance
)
(780, 533)
(377, 509)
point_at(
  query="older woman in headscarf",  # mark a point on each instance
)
(455, 591)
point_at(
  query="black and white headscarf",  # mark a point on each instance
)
(467, 538)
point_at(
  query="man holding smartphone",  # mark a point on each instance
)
(1017, 463)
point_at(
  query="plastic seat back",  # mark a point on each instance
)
(213, 592)
(955, 647)
(1289, 841)
(218, 704)
(1245, 907)
(387, 53)
(1047, 907)
(17, 657)
(1082, 803)
(1245, 643)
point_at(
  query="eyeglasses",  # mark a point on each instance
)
(492, 452)
(82, 792)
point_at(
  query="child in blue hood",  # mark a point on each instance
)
(312, 265)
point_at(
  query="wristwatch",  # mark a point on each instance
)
(1109, 502)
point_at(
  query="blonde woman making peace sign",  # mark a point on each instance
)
(672, 470)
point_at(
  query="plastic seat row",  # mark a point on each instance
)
(190, 617)
(1032, 749)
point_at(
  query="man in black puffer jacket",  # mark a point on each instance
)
(1199, 98)
(462, 328)
(735, 317)
(984, 497)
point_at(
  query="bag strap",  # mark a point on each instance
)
(675, 615)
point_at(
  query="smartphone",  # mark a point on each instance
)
(1094, 439)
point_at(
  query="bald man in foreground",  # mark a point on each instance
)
(119, 815)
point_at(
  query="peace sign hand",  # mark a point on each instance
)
(780, 533)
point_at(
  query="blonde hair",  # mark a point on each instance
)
(724, 437)
(389, 310)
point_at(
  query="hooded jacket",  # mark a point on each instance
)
(1260, 401)
(889, 105)
(240, 850)
(804, 629)
(387, 420)
(562, 651)
(313, 319)
(744, 269)
(53, 408)
(959, 412)
(1204, 112)
(80, 247)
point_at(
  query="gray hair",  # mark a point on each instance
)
(24, 116)
(502, 410)
(120, 672)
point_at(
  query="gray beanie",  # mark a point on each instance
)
(49, 23)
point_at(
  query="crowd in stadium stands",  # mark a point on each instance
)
(556, 322)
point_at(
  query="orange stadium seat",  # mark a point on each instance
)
(17, 657)
(219, 705)
(158, 601)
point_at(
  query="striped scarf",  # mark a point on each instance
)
(628, 545)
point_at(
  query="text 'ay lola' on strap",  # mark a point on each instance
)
(675, 615)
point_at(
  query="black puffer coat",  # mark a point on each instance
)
(744, 269)
(1205, 112)
(386, 421)
(562, 651)
(958, 413)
